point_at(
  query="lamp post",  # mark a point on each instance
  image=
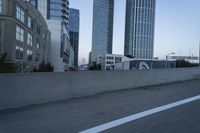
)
(190, 55)
(166, 65)
(179, 59)
(199, 54)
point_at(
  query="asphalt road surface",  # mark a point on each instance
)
(76, 115)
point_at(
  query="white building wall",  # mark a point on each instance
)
(55, 46)
(55, 26)
(111, 61)
(71, 59)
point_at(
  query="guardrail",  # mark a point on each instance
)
(17, 90)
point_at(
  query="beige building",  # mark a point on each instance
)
(24, 34)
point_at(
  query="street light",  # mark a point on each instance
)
(199, 54)
(190, 54)
(166, 65)
(179, 59)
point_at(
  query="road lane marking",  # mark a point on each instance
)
(134, 117)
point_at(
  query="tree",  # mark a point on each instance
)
(44, 67)
(7, 67)
(184, 63)
(95, 67)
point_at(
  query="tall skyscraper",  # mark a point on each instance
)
(102, 34)
(139, 29)
(74, 33)
(56, 14)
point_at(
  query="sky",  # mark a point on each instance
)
(177, 27)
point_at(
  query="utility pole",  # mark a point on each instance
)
(179, 60)
(166, 61)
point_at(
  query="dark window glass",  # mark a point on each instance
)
(19, 53)
(38, 29)
(1, 6)
(20, 14)
(37, 57)
(30, 23)
(54, 9)
(29, 55)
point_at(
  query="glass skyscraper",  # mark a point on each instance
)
(74, 32)
(102, 34)
(139, 29)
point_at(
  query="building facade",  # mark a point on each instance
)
(102, 34)
(56, 14)
(145, 64)
(139, 29)
(108, 61)
(74, 19)
(33, 2)
(24, 34)
(90, 59)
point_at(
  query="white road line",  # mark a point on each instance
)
(130, 118)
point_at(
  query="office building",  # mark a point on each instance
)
(56, 14)
(74, 33)
(139, 29)
(24, 34)
(102, 34)
(90, 59)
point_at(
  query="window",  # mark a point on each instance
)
(54, 9)
(37, 44)
(118, 59)
(109, 62)
(30, 40)
(107, 68)
(0, 30)
(44, 36)
(29, 55)
(19, 52)
(110, 58)
(1, 6)
(20, 14)
(19, 34)
(30, 23)
(34, 3)
(44, 47)
(38, 30)
(37, 57)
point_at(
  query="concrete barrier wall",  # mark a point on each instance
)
(18, 90)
